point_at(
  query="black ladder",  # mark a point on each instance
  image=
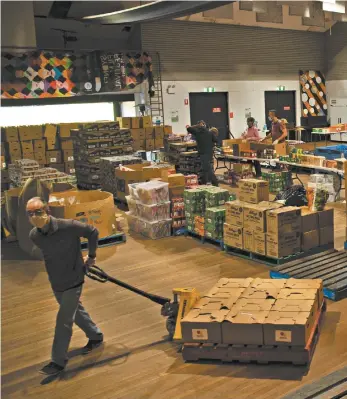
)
(156, 102)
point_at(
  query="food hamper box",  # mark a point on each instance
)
(255, 312)
(149, 209)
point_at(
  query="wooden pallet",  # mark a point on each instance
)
(261, 354)
(107, 241)
(273, 261)
(204, 239)
(330, 266)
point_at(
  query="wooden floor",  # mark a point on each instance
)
(137, 361)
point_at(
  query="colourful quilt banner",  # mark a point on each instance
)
(313, 93)
(47, 74)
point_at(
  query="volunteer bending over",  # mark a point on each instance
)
(278, 128)
(59, 242)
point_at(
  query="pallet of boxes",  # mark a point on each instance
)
(92, 141)
(146, 137)
(255, 320)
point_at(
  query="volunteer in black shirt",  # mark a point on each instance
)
(59, 242)
(205, 140)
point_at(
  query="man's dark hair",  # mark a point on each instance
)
(273, 111)
(250, 119)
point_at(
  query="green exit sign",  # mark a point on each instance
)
(281, 88)
(209, 89)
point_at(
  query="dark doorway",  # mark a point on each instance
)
(284, 103)
(213, 109)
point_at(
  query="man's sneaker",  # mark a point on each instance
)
(52, 369)
(92, 344)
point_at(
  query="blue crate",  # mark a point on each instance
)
(331, 152)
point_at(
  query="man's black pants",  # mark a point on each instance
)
(208, 175)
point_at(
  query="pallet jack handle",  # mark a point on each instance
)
(97, 274)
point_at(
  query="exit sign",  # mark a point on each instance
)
(209, 89)
(281, 88)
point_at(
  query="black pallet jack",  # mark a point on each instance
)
(173, 310)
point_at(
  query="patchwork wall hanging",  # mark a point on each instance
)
(46, 74)
(313, 93)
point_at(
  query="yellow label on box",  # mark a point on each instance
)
(283, 336)
(200, 334)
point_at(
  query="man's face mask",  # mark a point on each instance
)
(38, 218)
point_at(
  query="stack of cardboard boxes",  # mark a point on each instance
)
(92, 141)
(146, 137)
(255, 312)
(270, 229)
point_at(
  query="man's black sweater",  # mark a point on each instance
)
(205, 140)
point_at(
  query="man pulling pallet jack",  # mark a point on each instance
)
(59, 241)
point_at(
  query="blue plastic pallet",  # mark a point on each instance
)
(330, 266)
(331, 152)
(204, 239)
(107, 241)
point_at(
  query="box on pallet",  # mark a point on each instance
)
(254, 216)
(326, 235)
(233, 236)
(54, 156)
(310, 240)
(9, 134)
(234, 213)
(248, 240)
(282, 220)
(259, 243)
(138, 134)
(30, 132)
(283, 244)
(253, 190)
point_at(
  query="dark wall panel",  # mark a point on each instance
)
(203, 51)
(336, 52)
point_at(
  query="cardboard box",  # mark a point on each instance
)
(146, 121)
(28, 155)
(5, 179)
(139, 145)
(259, 243)
(91, 207)
(40, 145)
(176, 179)
(138, 134)
(310, 240)
(215, 303)
(281, 149)
(299, 284)
(285, 244)
(326, 218)
(54, 157)
(149, 133)
(66, 144)
(51, 143)
(310, 294)
(124, 123)
(244, 328)
(234, 213)
(309, 220)
(259, 305)
(234, 282)
(261, 293)
(203, 326)
(253, 190)
(282, 220)
(65, 129)
(233, 236)
(135, 122)
(159, 132)
(69, 167)
(50, 131)
(167, 130)
(176, 192)
(159, 143)
(27, 146)
(9, 134)
(265, 283)
(248, 240)
(288, 328)
(254, 216)
(14, 150)
(299, 305)
(68, 156)
(150, 145)
(326, 235)
(241, 147)
(229, 143)
(225, 292)
(30, 132)
(40, 157)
